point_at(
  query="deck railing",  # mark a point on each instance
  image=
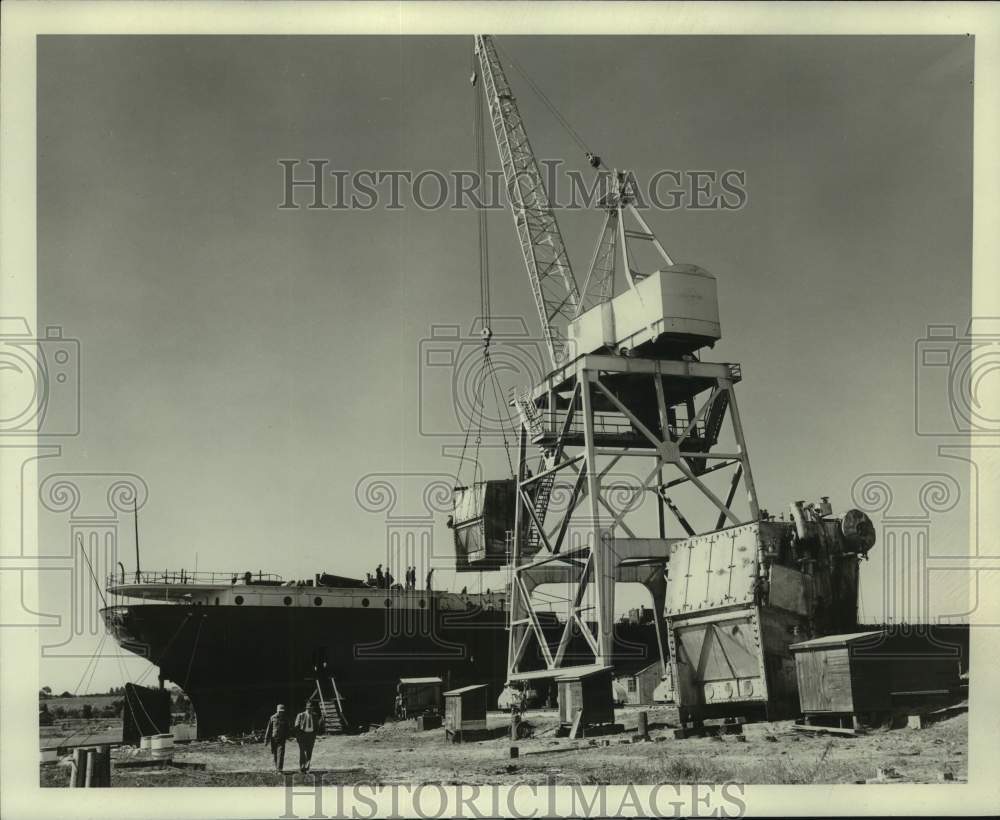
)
(183, 576)
(611, 425)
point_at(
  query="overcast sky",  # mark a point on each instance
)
(252, 364)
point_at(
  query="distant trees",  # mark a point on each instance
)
(45, 692)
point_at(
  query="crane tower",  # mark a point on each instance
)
(626, 386)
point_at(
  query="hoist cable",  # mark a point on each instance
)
(479, 147)
(497, 393)
(479, 404)
(543, 97)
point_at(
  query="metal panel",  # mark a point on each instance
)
(718, 660)
(789, 589)
(714, 570)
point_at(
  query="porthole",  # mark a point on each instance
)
(388, 603)
(239, 600)
(365, 602)
(422, 603)
(318, 601)
(288, 601)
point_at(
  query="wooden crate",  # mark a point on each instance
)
(588, 691)
(419, 695)
(871, 672)
(465, 710)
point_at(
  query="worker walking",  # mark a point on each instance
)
(308, 723)
(277, 734)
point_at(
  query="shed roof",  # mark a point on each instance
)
(634, 673)
(420, 680)
(584, 672)
(828, 641)
(462, 690)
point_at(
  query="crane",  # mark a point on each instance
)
(557, 297)
(626, 383)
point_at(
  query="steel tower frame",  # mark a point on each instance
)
(570, 423)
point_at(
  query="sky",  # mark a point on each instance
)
(253, 364)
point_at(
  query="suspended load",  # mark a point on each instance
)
(482, 520)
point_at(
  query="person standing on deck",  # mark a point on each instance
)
(308, 723)
(277, 734)
(379, 578)
(430, 572)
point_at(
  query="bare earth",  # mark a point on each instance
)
(399, 753)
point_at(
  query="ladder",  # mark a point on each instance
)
(713, 426)
(332, 708)
(530, 417)
(540, 502)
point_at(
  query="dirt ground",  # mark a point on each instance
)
(768, 753)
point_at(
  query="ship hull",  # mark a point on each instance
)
(236, 664)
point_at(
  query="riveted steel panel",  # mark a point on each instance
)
(714, 570)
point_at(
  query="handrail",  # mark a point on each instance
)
(182, 576)
(613, 425)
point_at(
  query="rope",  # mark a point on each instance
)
(91, 660)
(497, 392)
(543, 97)
(479, 147)
(90, 567)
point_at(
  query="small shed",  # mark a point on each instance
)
(875, 671)
(465, 710)
(414, 696)
(638, 687)
(587, 690)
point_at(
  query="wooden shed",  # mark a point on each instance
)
(863, 673)
(465, 710)
(589, 691)
(638, 686)
(414, 696)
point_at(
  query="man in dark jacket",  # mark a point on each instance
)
(308, 724)
(277, 734)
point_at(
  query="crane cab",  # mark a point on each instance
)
(672, 312)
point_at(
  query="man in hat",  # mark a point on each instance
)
(308, 724)
(277, 734)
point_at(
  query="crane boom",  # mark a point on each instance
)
(552, 283)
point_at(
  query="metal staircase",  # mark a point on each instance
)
(530, 416)
(713, 426)
(540, 503)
